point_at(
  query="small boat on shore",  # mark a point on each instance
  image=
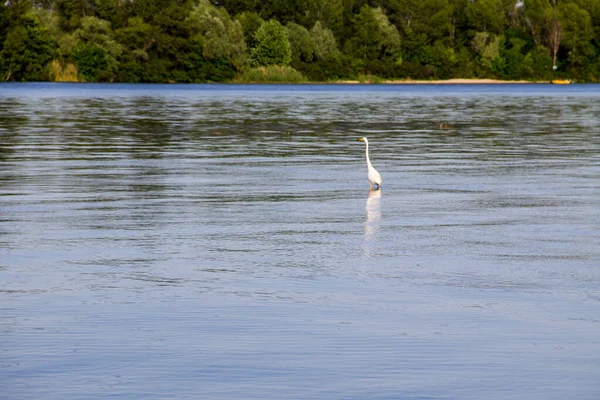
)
(562, 81)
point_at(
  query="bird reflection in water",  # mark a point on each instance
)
(373, 221)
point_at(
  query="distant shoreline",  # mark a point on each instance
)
(458, 81)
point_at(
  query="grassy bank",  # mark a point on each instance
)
(271, 74)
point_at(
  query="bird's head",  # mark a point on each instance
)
(361, 139)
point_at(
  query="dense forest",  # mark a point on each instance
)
(298, 40)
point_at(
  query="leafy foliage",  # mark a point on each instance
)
(301, 42)
(250, 22)
(272, 45)
(95, 51)
(221, 37)
(374, 36)
(271, 74)
(324, 41)
(215, 41)
(26, 51)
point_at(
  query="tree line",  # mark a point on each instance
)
(318, 40)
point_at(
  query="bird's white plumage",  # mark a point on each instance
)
(374, 177)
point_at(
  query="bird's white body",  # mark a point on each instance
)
(374, 177)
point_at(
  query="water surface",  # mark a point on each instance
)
(215, 241)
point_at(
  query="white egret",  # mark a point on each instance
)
(372, 174)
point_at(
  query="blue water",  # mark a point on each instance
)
(220, 241)
(43, 89)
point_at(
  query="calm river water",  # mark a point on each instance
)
(221, 242)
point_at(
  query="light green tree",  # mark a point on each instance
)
(50, 20)
(324, 40)
(390, 44)
(222, 37)
(272, 45)
(487, 47)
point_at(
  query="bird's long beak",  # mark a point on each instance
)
(360, 139)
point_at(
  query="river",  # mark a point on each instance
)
(221, 242)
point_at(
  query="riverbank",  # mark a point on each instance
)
(440, 82)
(286, 74)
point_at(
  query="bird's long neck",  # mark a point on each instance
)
(367, 153)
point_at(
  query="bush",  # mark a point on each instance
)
(91, 60)
(63, 73)
(271, 74)
(333, 68)
(368, 78)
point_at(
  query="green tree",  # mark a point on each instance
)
(577, 34)
(110, 10)
(487, 15)
(540, 63)
(421, 23)
(366, 41)
(10, 14)
(487, 47)
(301, 42)
(374, 36)
(71, 12)
(50, 20)
(514, 59)
(330, 13)
(412, 24)
(535, 18)
(543, 21)
(324, 40)
(221, 37)
(443, 59)
(26, 51)
(210, 40)
(390, 45)
(95, 51)
(240, 6)
(250, 22)
(465, 65)
(172, 56)
(593, 9)
(434, 20)
(136, 38)
(302, 12)
(273, 46)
